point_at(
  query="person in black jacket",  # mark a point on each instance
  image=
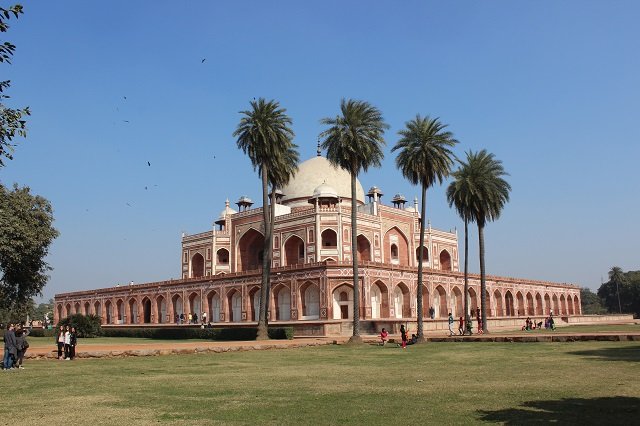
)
(10, 349)
(73, 342)
(22, 345)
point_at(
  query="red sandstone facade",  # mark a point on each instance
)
(311, 276)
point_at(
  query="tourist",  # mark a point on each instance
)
(177, 318)
(195, 318)
(384, 336)
(461, 326)
(60, 341)
(10, 349)
(432, 312)
(450, 324)
(552, 324)
(181, 318)
(190, 317)
(73, 342)
(67, 343)
(22, 345)
(204, 317)
(403, 335)
(413, 341)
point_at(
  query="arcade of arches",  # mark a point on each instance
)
(305, 301)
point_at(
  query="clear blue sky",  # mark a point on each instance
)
(551, 88)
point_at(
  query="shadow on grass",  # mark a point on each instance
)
(631, 354)
(606, 410)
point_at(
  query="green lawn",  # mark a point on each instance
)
(435, 383)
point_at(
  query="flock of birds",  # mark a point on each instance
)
(129, 204)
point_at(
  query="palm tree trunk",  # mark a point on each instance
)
(467, 317)
(483, 281)
(355, 338)
(423, 216)
(264, 288)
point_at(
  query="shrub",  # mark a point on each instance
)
(41, 332)
(178, 333)
(85, 325)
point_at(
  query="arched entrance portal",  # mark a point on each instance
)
(440, 303)
(294, 250)
(343, 302)
(146, 310)
(364, 249)
(310, 299)
(250, 250)
(445, 260)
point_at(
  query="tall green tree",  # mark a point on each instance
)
(26, 232)
(279, 175)
(264, 134)
(460, 196)
(354, 142)
(12, 121)
(590, 303)
(488, 194)
(424, 158)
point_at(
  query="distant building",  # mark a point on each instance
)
(311, 280)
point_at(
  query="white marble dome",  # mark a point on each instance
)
(314, 173)
(325, 191)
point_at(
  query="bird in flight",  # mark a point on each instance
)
(125, 98)
(128, 204)
(202, 61)
(126, 121)
(149, 163)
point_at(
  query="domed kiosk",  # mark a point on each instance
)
(312, 174)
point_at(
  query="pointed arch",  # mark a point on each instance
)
(473, 301)
(497, 302)
(508, 304)
(146, 310)
(531, 307)
(364, 249)
(87, 308)
(282, 302)
(197, 266)
(556, 305)
(294, 251)
(457, 302)
(213, 301)
(254, 303)
(119, 311)
(250, 250)
(396, 247)
(97, 309)
(440, 302)
(379, 294)
(329, 238)
(310, 300)
(161, 309)
(177, 305)
(522, 308)
(108, 314)
(569, 305)
(195, 304)
(343, 302)
(425, 255)
(222, 256)
(132, 310)
(234, 305)
(563, 305)
(445, 260)
(539, 306)
(576, 305)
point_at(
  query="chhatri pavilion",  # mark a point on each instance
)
(311, 279)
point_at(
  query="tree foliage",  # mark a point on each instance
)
(85, 325)
(424, 158)
(12, 121)
(591, 303)
(628, 284)
(354, 142)
(264, 134)
(26, 231)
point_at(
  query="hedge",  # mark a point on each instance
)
(173, 333)
(41, 332)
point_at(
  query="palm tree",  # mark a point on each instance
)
(616, 275)
(459, 195)
(486, 194)
(264, 134)
(279, 175)
(424, 159)
(354, 142)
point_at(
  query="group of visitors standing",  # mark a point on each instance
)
(15, 346)
(190, 318)
(67, 340)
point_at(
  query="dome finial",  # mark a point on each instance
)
(319, 150)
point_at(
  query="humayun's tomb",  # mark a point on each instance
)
(311, 280)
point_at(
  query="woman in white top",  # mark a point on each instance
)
(67, 343)
(60, 341)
